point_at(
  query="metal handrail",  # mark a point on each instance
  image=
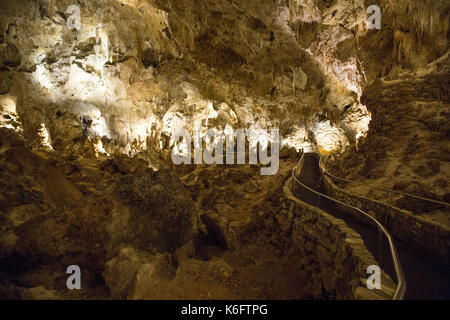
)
(401, 286)
(378, 188)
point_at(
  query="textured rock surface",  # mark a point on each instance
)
(407, 145)
(135, 84)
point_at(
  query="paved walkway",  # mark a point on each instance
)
(426, 278)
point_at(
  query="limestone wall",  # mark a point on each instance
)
(427, 235)
(336, 257)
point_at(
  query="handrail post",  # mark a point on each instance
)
(380, 240)
(380, 247)
(388, 210)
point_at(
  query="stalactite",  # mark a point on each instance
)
(293, 80)
(51, 4)
(272, 73)
(291, 12)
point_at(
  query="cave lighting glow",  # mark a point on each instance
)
(87, 86)
(8, 103)
(42, 77)
(100, 127)
(329, 139)
(98, 147)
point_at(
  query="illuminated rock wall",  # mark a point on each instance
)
(136, 71)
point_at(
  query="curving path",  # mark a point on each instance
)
(426, 277)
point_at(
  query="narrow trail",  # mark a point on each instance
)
(426, 277)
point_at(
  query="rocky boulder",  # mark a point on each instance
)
(9, 55)
(132, 269)
(159, 211)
